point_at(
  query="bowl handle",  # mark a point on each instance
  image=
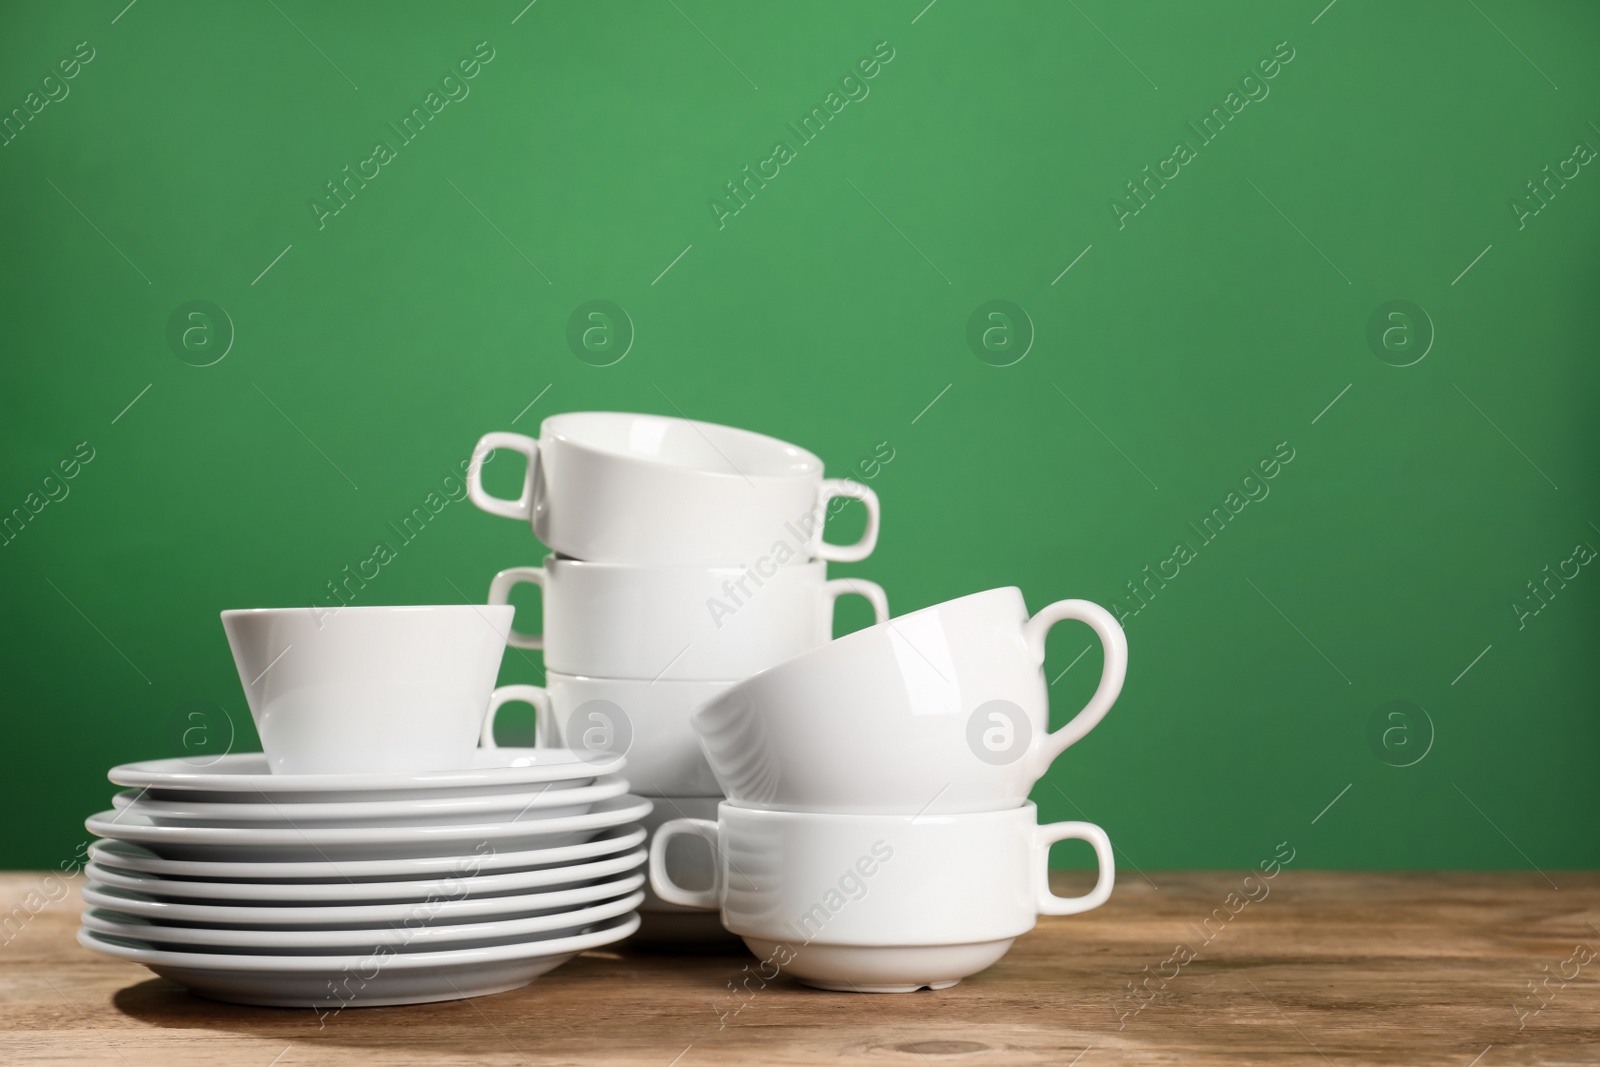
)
(668, 890)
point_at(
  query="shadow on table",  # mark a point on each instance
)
(466, 1026)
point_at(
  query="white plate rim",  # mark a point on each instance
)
(604, 788)
(332, 893)
(403, 869)
(176, 773)
(274, 837)
(233, 963)
(291, 916)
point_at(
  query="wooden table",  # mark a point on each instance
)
(1413, 969)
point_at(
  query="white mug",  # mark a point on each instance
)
(618, 620)
(942, 710)
(603, 718)
(653, 490)
(880, 902)
(368, 689)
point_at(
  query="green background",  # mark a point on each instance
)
(1178, 351)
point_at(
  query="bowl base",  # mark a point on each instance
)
(881, 968)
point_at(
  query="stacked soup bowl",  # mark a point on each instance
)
(686, 557)
(877, 834)
(372, 853)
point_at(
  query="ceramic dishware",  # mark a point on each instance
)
(341, 844)
(690, 861)
(646, 722)
(331, 983)
(612, 620)
(647, 489)
(368, 690)
(369, 879)
(942, 710)
(880, 903)
(244, 777)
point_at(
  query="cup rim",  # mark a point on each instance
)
(552, 428)
(229, 614)
(1027, 811)
(555, 560)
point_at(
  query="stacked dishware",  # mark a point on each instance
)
(686, 556)
(877, 834)
(372, 853)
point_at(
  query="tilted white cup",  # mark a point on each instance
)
(942, 710)
(648, 489)
(618, 620)
(880, 903)
(368, 689)
(603, 718)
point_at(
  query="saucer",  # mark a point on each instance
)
(463, 884)
(244, 776)
(127, 856)
(336, 844)
(551, 800)
(281, 942)
(371, 980)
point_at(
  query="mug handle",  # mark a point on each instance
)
(520, 508)
(711, 898)
(1047, 902)
(1115, 643)
(832, 487)
(544, 714)
(872, 592)
(500, 593)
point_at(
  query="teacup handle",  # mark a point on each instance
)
(670, 891)
(871, 592)
(1047, 902)
(544, 714)
(500, 593)
(1115, 643)
(834, 487)
(520, 508)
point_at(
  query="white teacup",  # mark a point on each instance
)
(603, 718)
(652, 490)
(368, 689)
(617, 620)
(942, 710)
(880, 903)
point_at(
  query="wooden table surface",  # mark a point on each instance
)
(1468, 970)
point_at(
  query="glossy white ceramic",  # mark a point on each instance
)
(648, 489)
(350, 879)
(244, 777)
(690, 862)
(289, 928)
(942, 710)
(467, 882)
(881, 884)
(368, 690)
(339, 844)
(547, 801)
(647, 722)
(612, 620)
(329, 984)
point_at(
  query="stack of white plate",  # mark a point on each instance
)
(345, 890)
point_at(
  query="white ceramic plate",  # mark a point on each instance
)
(346, 925)
(126, 856)
(464, 885)
(553, 800)
(336, 844)
(245, 773)
(368, 980)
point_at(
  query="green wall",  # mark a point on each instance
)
(1202, 329)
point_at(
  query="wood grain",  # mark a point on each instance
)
(1413, 969)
